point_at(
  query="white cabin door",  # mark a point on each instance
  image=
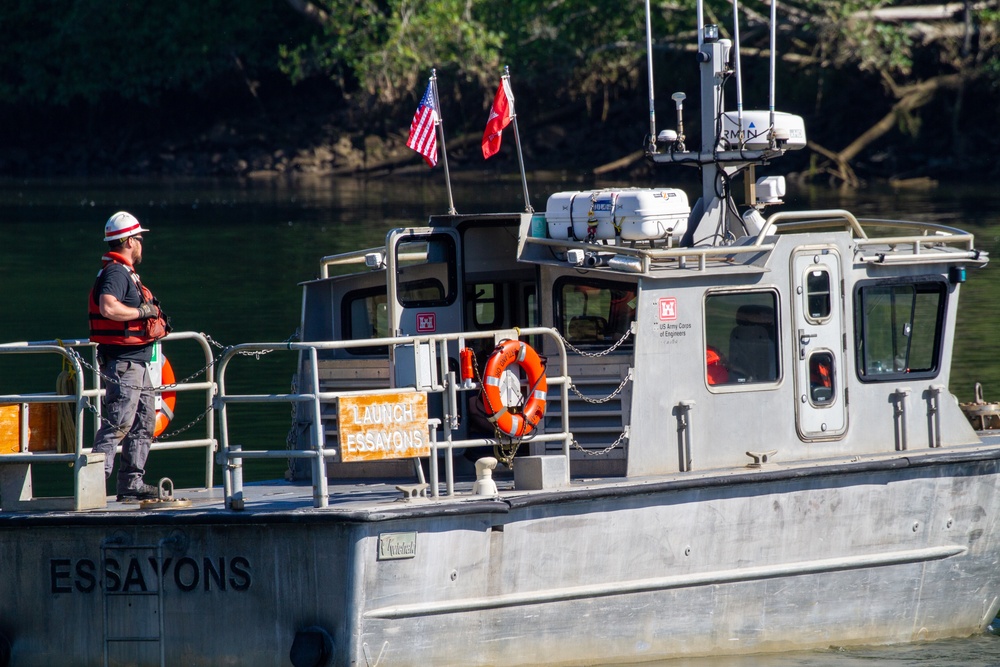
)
(424, 281)
(818, 343)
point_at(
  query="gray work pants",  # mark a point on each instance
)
(128, 419)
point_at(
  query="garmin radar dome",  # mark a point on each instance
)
(122, 225)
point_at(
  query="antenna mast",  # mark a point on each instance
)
(649, 67)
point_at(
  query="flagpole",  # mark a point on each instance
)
(517, 137)
(444, 151)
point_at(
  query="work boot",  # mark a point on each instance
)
(142, 492)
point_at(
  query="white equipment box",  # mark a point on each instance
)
(636, 214)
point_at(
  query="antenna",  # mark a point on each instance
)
(774, 46)
(649, 67)
(678, 99)
(701, 24)
(739, 75)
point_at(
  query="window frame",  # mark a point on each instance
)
(559, 308)
(450, 291)
(497, 301)
(346, 319)
(861, 337)
(807, 295)
(734, 384)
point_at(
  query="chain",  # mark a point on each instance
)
(110, 380)
(602, 353)
(177, 431)
(248, 353)
(591, 452)
(588, 399)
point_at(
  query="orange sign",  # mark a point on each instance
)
(383, 426)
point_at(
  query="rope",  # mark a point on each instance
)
(65, 415)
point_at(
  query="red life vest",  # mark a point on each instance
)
(111, 332)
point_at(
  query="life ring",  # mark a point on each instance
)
(506, 353)
(168, 399)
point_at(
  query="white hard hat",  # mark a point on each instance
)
(121, 226)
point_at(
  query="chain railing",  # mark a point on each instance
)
(623, 437)
(81, 355)
(309, 392)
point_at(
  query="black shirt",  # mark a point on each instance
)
(116, 281)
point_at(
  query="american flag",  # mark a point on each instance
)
(423, 137)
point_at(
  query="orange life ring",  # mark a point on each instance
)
(168, 399)
(506, 353)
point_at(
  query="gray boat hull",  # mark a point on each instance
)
(878, 551)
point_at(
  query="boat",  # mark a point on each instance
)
(631, 428)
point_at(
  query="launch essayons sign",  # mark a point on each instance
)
(383, 426)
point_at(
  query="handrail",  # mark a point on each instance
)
(931, 234)
(232, 456)
(648, 255)
(81, 399)
(812, 218)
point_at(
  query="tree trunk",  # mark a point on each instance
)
(909, 98)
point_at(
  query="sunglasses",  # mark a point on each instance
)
(138, 238)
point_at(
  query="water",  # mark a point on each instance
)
(226, 258)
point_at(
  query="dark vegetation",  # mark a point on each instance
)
(267, 87)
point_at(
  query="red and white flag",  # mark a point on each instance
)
(423, 134)
(501, 114)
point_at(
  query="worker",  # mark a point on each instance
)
(125, 321)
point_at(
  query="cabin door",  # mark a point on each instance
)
(818, 343)
(423, 281)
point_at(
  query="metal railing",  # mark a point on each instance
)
(88, 390)
(445, 383)
(912, 246)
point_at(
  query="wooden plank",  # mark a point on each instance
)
(43, 427)
(10, 428)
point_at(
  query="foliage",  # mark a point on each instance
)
(57, 51)
(385, 49)
(848, 38)
(89, 56)
(565, 46)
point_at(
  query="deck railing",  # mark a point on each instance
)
(88, 390)
(908, 243)
(444, 384)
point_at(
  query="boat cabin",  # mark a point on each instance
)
(819, 326)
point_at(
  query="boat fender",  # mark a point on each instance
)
(312, 647)
(522, 354)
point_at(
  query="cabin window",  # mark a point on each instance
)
(817, 295)
(898, 329)
(425, 271)
(741, 338)
(821, 378)
(487, 305)
(365, 315)
(594, 312)
(531, 306)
